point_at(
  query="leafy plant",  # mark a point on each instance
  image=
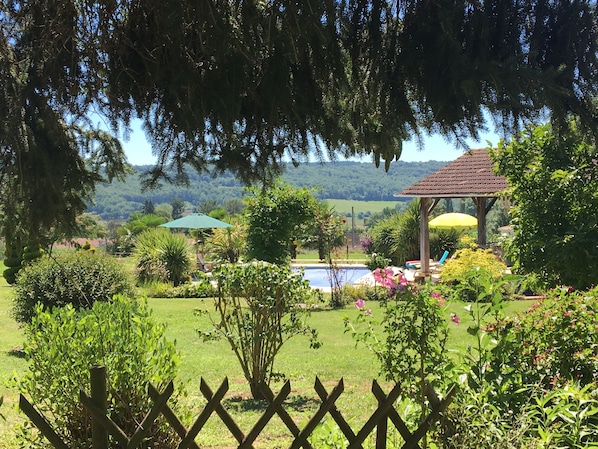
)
(376, 261)
(412, 348)
(397, 236)
(277, 216)
(566, 417)
(62, 344)
(466, 260)
(80, 279)
(164, 256)
(260, 306)
(201, 288)
(553, 185)
(228, 244)
(553, 343)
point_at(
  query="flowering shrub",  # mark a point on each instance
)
(412, 348)
(366, 243)
(555, 342)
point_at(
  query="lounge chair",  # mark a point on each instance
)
(416, 264)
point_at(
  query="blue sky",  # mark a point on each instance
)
(435, 148)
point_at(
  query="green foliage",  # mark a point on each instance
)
(178, 206)
(553, 343)
(565, 417)
(269, 83)
(275, 217)
(555, 218)
(411, 349)
(260, 307)
(201, 287)
(227, 244)
(442, 240)
(79, 279)
(473, 421)
(376, 261)
(362, 194)
(328, 234)
(531, 379)
(139, 222)
(397, 237)
(466, 260)
(163, 256)
(12, 261)
(63, 344)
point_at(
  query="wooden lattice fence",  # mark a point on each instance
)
(103, 427)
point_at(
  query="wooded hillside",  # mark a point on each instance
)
(339, 180)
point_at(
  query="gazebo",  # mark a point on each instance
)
(468, 176)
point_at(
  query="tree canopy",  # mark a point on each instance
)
(553, 181)
(242, 85)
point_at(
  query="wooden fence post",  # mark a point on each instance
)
(99, 395)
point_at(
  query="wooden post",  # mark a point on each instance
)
(424, 236)
(99, 395)
(480, 203)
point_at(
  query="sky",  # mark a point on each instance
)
(435, 148)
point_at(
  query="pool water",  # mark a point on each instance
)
(319, 276)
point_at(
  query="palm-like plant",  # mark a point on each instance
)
(163, 256)
(397, 237)
(228, 244)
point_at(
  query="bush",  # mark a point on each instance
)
(260, 306)
(470, 270)
(122, 336)
(467, 259)
(201, 289)
(553, 343)
(79, 279)
(162, 256)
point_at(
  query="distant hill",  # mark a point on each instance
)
(344, 180)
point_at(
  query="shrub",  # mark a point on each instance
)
(376, 261)
(410, 337)
(470, 270)
(163, 256)
(260, 306)
(63, 344)
(80, 279)
(200, 289)
(468, 259)
(397, 237)
(553, 343)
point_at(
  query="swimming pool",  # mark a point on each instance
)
(319, 275)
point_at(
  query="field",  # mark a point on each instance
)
(338, 358)
(365, 208)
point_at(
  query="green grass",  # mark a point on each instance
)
(345, 207)
(338, 358)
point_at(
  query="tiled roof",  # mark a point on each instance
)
(469, 175)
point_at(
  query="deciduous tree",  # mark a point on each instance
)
(243, 86)
(277, 216)
(554, 180)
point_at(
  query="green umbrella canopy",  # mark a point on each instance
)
(196, 221)
(454, 220)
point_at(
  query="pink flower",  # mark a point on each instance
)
(360, 304)
(402, 279)
(455, 318)
(439, 298)
(367, 312)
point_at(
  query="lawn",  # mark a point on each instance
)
(337, 358)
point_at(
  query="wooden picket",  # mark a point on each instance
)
(103, 427)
